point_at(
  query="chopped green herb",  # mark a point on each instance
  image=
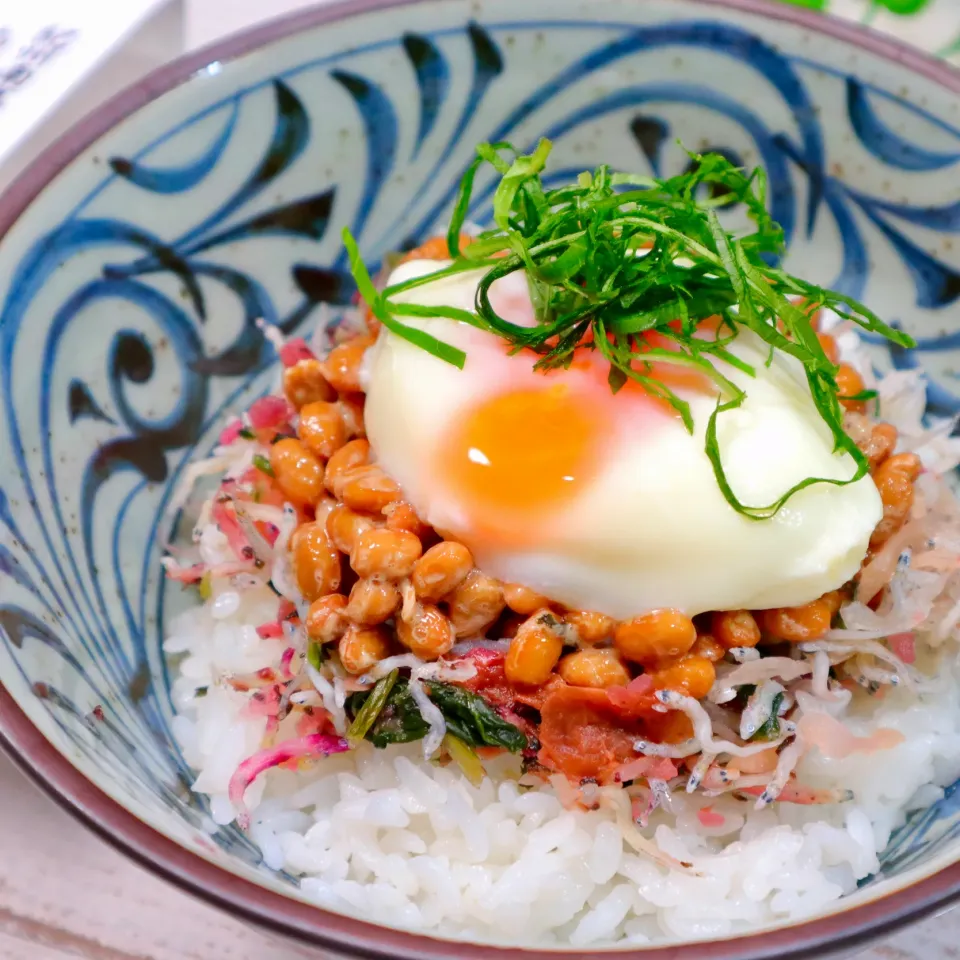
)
(368, 713)
(613, 258)
(771, 728)
(468, 717)
(472, 719)
(263, 464)
(204, 586)
(201, 692)
(248, 434)
(398, 722)
(378, 305)
(862, 395)
(465, 757)
(316, 655)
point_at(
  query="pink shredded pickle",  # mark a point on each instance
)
(709, 817)
(315, 745)
(802, 795)
(285, 660)
(230, 527)
(624, 697)
(230, 432)
(313, 722)
(264, 702)
(880, 570)
(231, 568)
(192, 574)
(835, 741)
(940, 560)
(904, 646)
(270, 631)
(641, 808)
(270, 533)
(295, 350)
(653, 768)
(269, 412)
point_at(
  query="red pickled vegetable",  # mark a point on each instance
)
(795, 792)
(314, 745)
(230, 527)
(653, 768)
(230, 432)
(270, 412)
(904, 646)
(191, 574)
(635, 699)
(295, 350)
(709, 817)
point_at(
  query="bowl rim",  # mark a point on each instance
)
(295, 919)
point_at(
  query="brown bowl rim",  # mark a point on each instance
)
(53, 773)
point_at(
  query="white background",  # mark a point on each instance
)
(208, 20)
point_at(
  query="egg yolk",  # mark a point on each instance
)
(527, 450)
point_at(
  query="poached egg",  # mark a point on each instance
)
(604, 501)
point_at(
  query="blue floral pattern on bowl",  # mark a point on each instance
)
(130, 291)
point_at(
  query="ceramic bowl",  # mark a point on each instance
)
(139, 251)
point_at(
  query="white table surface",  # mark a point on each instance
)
(65, 894)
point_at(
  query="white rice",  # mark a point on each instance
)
(386, 836)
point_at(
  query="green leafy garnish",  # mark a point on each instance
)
(473, 720)
(248, 434)
(316, 655)
(399, 720)
(770, 730)
(377, 304)
(468, 717)
(632, 267)
(465, 757)
(368, 713)
(263, 464)
(862, 395)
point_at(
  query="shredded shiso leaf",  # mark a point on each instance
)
(613, 258)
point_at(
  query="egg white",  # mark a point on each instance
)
(652, 529)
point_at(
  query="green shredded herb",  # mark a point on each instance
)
(613, 258)
(248, 434)
(468, 716)
(465, 757)
(472, 719)
(378, 305)
(316, 655)
(862, 395)
(398, 722)
(770, 730)
(372, 706)
(263, 464)
(205, 587)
